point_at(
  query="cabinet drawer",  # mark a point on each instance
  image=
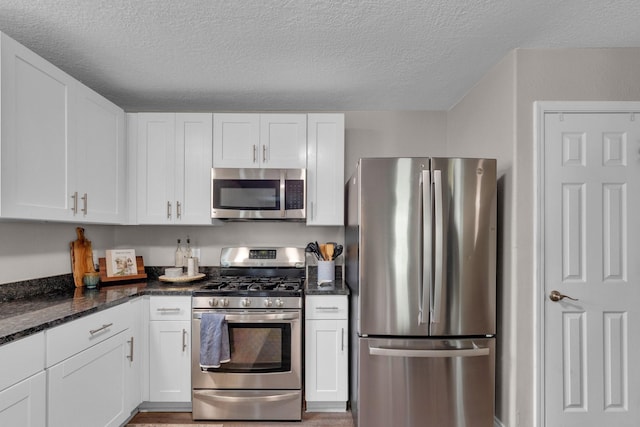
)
(326, 307)
(169, 308)
(73, 337)
(21, 359)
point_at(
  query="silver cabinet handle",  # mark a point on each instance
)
(95, 331)
(74, 207)
(168, 210)
(264, 153)
(166, 309)
(342, 339)
(178, 210)
(184, 341)
(85, 202)
(130, 356)
(320, 308)
(254, 152)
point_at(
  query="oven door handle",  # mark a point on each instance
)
(210, 395)
(255, 317)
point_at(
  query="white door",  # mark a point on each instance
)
(591, 253)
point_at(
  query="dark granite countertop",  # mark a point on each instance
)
(26, 308)
(26, 316)
(338, 287)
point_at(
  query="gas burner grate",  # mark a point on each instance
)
(249, 283)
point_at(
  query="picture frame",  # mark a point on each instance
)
(121, 262)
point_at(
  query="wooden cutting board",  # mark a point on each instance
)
(81, 257)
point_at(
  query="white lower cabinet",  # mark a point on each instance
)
(93, 373)
(23, 382)
(170, 349)
(326, 353)
(88, 389)
(25, 404)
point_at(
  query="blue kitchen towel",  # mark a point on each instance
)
(214, 340)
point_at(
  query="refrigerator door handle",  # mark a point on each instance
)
(439, 247)
(427, 219)
(403, 352)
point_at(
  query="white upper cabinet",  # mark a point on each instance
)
(325, 169)
(99, 163)
(259, 140)
(35, 137)
(173, 168)
(61, 144)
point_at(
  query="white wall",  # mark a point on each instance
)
(499, 111)
(482, 124)
(29, 250)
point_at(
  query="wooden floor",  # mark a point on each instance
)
(176, 419)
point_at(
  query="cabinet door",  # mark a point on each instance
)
(283, 141)
(99, 162)
(88, 388)
(25, 404)
(193, 171)
(156, 172)
(170, 361)
(134, 356)
(326, 360)
(325, 169)
(236, 140)
(36, 107)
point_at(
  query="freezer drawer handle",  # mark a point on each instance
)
(402, 352)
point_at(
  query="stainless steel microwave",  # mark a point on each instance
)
(248, 194)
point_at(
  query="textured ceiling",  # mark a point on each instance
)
(241, 55)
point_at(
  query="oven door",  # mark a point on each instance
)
(265, 352)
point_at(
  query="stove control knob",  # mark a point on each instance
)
(246, 302)
(224, 302)
(268, 302)
(213, 302)
(279, 303)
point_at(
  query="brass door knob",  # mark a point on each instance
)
(556, 296)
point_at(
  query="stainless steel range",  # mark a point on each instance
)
(259, 293)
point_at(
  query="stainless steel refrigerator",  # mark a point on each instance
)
(421, 265)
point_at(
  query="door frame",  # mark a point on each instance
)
(540, 108)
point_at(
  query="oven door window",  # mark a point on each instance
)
(246, 194)
(258, 348)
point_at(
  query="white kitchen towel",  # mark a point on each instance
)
(214, 340)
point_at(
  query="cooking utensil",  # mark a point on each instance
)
(313, 248)
(337, 251)
(328, 248)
